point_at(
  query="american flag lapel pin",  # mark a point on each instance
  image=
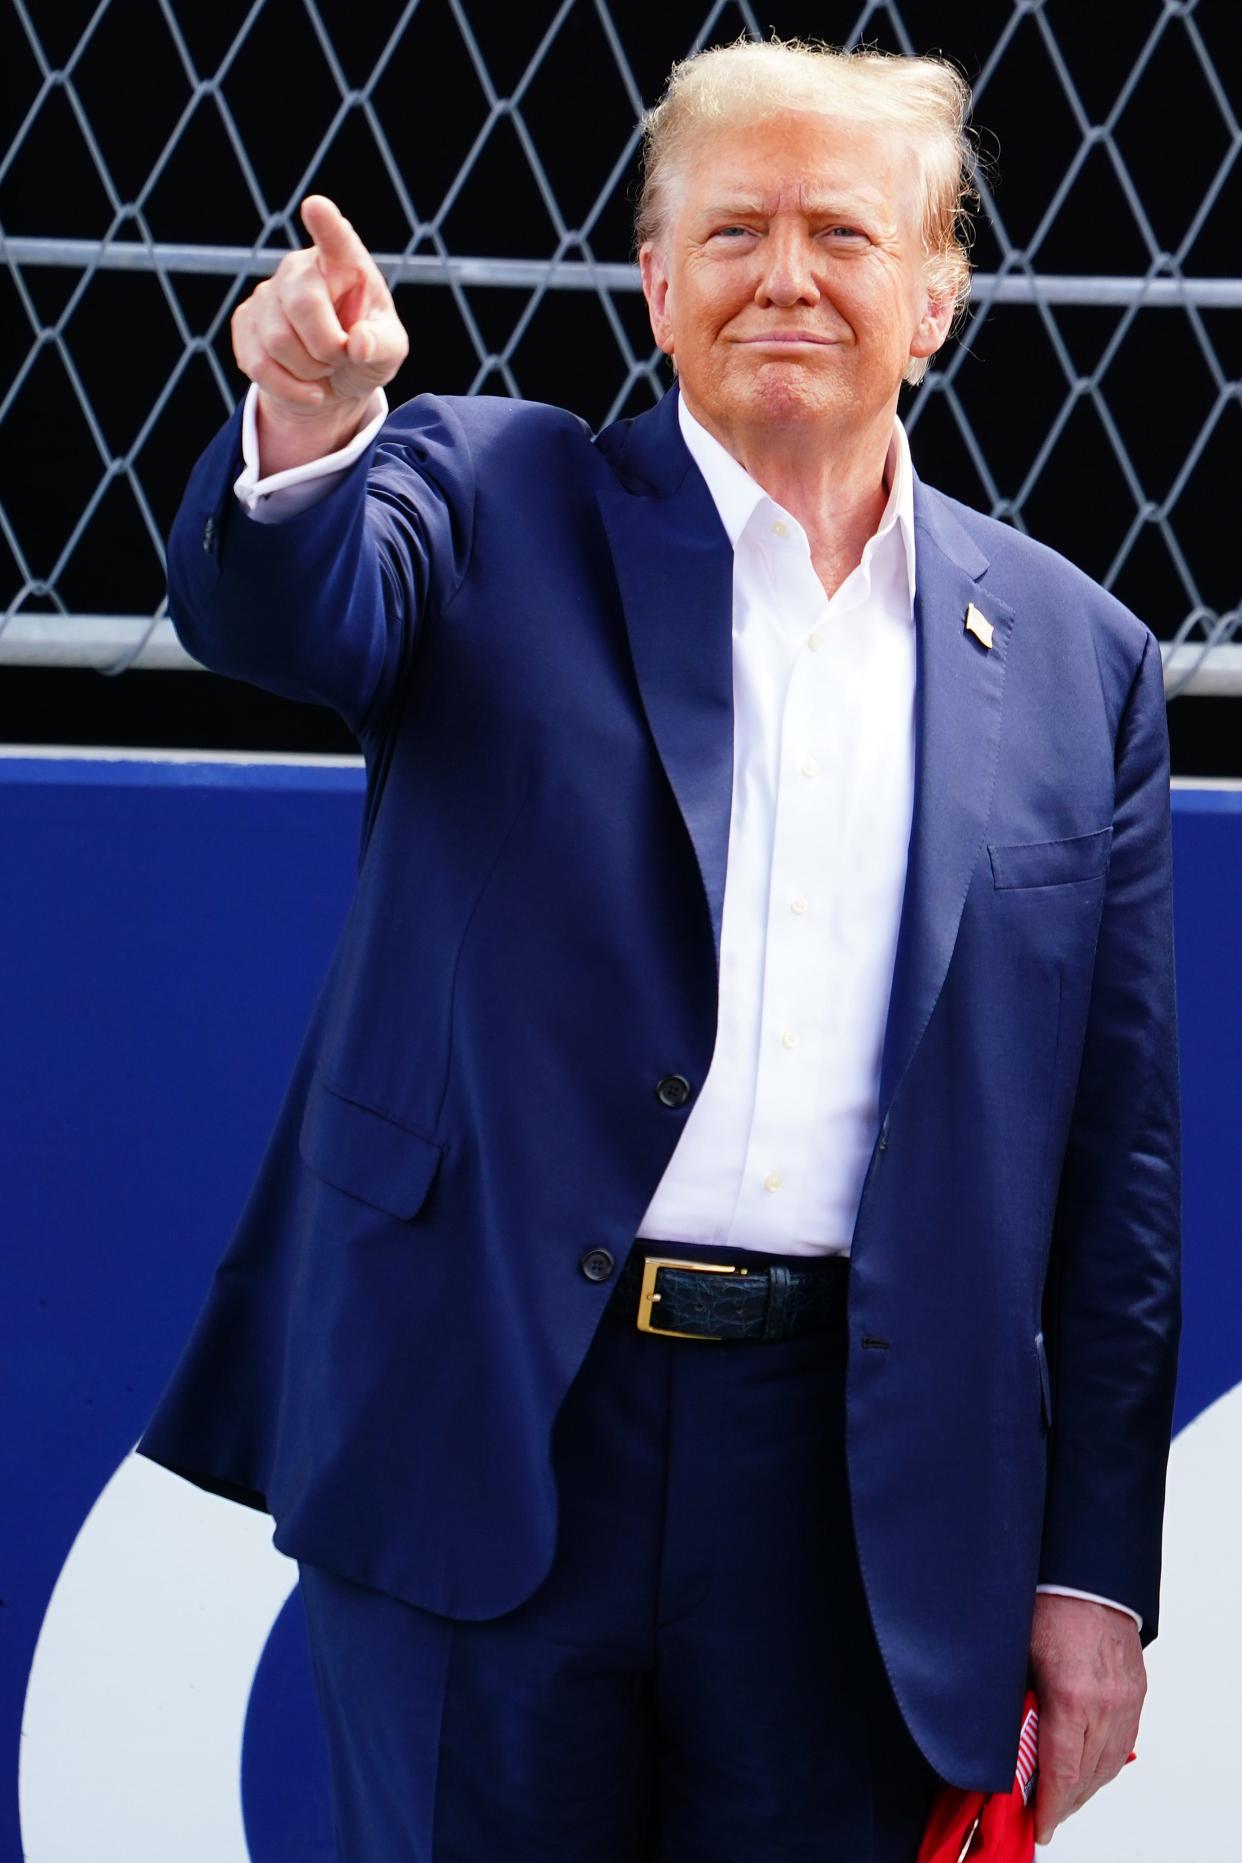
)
(978, 625)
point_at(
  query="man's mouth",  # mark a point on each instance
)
(787, 336)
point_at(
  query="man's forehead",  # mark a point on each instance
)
(817, 173)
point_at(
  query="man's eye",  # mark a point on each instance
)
(845, 232)
(721, 231)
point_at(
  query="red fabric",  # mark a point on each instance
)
(992, 1827)
(979, 1825)
(995, 1827)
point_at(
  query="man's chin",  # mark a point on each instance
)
(781, 391)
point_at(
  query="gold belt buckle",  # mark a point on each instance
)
(647, 1293)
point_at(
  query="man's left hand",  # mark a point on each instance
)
(1090, 1681)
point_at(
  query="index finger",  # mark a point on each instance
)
(334, 238)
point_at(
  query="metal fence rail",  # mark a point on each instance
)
(42, 621)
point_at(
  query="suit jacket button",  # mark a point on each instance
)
(597, 1264)
(673, 1090)
(209, 534)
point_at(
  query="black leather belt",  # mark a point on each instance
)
(709, 1300)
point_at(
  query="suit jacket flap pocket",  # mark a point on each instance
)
(363, 1152)
(1051, 863)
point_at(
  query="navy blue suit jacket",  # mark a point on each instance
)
(529, 629)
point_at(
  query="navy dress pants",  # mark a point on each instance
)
(694, 1681)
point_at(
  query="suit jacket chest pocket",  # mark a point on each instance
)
(1021, 865)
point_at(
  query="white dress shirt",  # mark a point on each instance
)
(777, 1142)
(774, 1150)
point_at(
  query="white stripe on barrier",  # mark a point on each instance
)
(136, 1704)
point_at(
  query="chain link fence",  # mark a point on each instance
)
(157, 153)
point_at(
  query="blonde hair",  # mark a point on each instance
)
(925, 99)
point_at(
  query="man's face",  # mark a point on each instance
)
(790, 284)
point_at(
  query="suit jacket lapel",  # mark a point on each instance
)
(958, 699)
(674, 566)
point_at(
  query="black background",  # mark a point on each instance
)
(123, 343)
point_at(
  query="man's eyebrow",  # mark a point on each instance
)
(843, 208)
(826, 204)
(736, 203)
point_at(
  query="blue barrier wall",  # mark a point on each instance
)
(165, 927)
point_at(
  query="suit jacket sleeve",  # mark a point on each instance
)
(327, 606)
(1112, 1312)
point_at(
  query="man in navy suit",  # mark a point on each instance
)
(762, 937)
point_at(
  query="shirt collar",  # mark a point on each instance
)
(736, 495)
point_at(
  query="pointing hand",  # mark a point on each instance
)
(322, 333)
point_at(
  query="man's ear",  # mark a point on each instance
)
(939, 306)
(655, 289)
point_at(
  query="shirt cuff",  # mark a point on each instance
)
(1067, 1591)
(282, 495)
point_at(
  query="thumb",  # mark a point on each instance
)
(378, 340)
(375, 348)
(361, 343)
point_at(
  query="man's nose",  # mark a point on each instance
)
(788, 275)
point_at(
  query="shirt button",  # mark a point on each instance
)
(809, 767)
(789, 1039)
(780, 529)
(799, 904)
(772, 1181)
(815, 642)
